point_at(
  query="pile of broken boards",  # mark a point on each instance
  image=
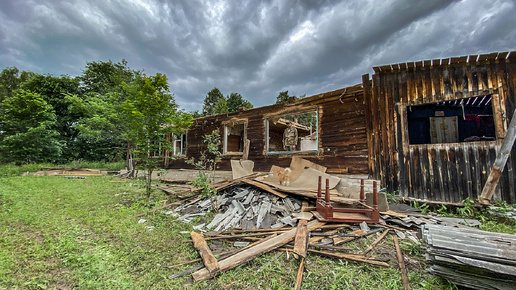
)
(256, 215)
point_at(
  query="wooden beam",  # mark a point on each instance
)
(403, 269)
(499, 164)
(252, 252)
(300, 240)
(351, 257)
(207, 257)
(375, 242)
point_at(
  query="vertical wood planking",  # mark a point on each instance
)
(444, 174)
(369, 123)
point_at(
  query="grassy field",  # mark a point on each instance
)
(79, 233)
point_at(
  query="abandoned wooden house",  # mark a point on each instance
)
(428, 129)
(331, 132)
(434, 127)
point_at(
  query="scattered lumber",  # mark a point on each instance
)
(351, 257)
(253, 252)
(401, 262)
(375, 242)
(207, 257)
(470, 257)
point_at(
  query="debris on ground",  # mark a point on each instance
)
(471, 257)
(254, 214)
(66, 171)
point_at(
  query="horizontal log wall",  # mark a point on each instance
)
(342, 132)
(439, 172)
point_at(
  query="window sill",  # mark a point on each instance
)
(306, 152)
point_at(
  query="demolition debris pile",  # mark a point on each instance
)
(471, 257)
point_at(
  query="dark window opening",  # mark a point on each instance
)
(234, 138)
(462, 120)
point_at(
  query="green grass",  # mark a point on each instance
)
(63, 233)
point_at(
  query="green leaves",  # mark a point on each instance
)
(26, 133)
(150, 114)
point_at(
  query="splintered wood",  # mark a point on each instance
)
(207, 257)
(253, 252)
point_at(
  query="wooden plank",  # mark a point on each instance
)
(299, 278)
(368, 249)
(207, 257)
(351, 257)
(300, 242)
(499, 164)
(252, 252)
(264, 187)
(401, 262)
(375, 110)
(369, 122)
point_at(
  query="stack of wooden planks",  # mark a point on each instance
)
(471, 257)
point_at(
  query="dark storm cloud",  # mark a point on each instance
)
(255, 48)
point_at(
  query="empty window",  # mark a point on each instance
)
(179, 143)
(298, 136)
(234, 138)
(462, 120)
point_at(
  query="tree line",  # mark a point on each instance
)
(99, 115)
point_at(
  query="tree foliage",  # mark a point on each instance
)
(151, 113)
(282, 97)
(26, 129)
(210, 101)
(235, 101)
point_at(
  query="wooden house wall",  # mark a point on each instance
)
(342, 132)
(439, 172)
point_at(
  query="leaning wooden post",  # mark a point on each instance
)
(499, 164)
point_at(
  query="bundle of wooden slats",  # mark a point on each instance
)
(471, 257)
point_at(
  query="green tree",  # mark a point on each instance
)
(100, 126)
(54, 91)
(26, 129)
(221, 107)
(105, 77)
(235, 101)
(151, 113)
(210, 101)
(282, 97)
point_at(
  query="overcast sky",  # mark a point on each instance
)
(255, 48)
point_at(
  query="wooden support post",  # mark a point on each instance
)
(403, 269)
(207, 257)
(499, 164)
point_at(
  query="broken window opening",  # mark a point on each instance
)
(461, 120)
(179, 144)
(301, 137)
(234, 138)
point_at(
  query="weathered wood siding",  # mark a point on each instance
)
(342, 132)
(439, 172)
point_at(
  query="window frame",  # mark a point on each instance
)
(225, 139)
(304, 152)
